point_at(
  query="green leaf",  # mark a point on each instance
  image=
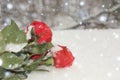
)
(14, 25)
(2, 72)
(40, 48)
(10, 61)
(31, 67)
(12, 35)
(2, 43)
(49, 61)
(21, 37)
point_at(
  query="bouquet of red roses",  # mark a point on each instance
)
(23, 52)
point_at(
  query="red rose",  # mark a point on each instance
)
(42, 31)
(62, 57)
(35, 57)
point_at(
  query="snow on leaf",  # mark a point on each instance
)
(10, 61)
(14, 47)
(12, 35)
(28, 35)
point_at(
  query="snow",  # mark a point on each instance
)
(7, 74)
(12, 47)
(28, 35)
(96, 54)
(1, 62)
(10, 6)
(55, 49)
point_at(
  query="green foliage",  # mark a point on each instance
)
(17, 61)
(11, 35)
(10, 61)
(40, 49)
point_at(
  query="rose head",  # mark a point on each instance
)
(42, 31)
(62, 57)
(35, 57)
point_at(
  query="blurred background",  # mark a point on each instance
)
(62, 14)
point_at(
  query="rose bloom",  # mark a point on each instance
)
(41, 30)
(62, 56)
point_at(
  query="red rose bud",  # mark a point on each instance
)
(62, 56)
(42, 30)
(35, 57)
